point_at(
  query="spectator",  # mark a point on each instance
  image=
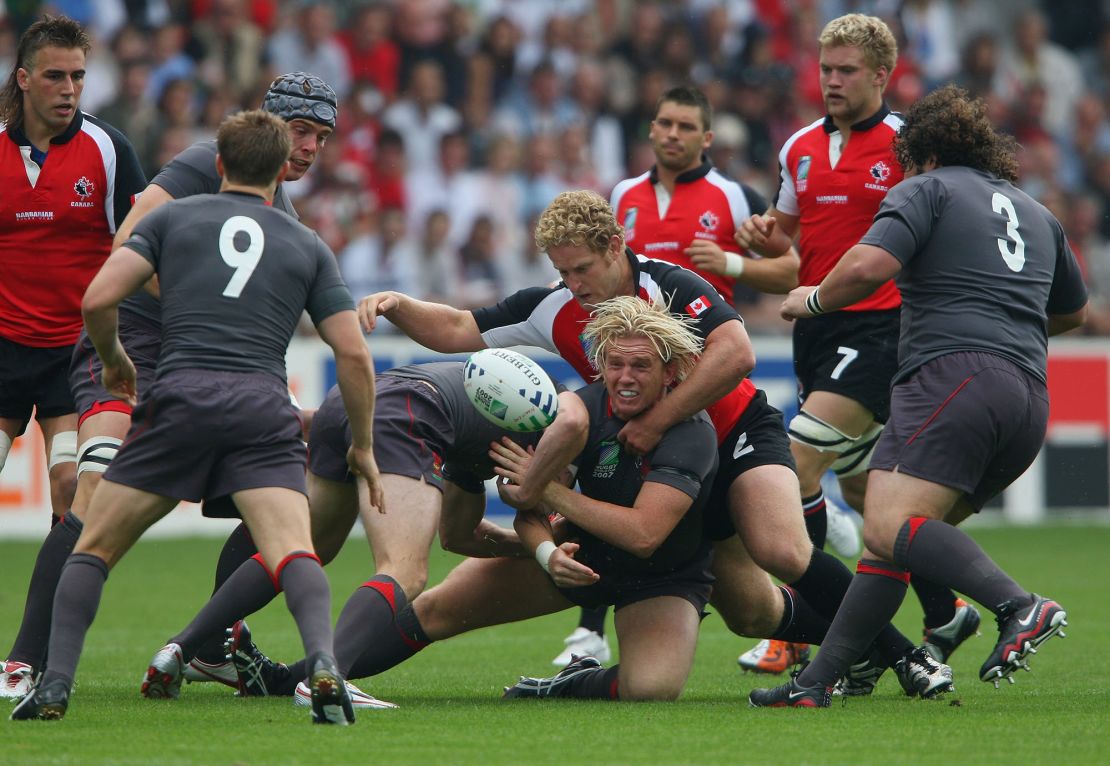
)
(422, 117)
(1034, 60)
(309, 44)
(374, 57)
(232, 48)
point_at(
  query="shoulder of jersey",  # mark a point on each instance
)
(815, 125)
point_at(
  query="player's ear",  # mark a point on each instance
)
(23, 79)
(670, 373)
(219, 165)
(284, 170)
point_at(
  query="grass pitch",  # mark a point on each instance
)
(449, 695)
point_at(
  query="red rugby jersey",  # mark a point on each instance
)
(550, 318)
(705, 205)
(56, 229)
(835, 205)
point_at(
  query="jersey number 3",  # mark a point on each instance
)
(1015, 258)
(243, 261)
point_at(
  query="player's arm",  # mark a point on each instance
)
(728, 358)
(436, 326)
(862, 271)
(463, 528)
(1060, 323)
(537, 537)
(122, 274)
(772, 275)
(561, 442)
(354, 372)
(152, 198)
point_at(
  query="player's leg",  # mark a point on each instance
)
(117, 517)
(59, 436)
(657, 640)
(99, 436)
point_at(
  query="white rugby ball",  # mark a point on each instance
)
(510, 390)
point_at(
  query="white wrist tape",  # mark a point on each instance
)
(543, 554)
(734, 265)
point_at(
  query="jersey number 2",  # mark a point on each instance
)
(243, 261)
(1015, 258)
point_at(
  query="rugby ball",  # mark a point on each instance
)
(510, 390)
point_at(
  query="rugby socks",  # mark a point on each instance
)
(937, 601)
(371, 609)
(800, 624)
(75, 605)
(309, 600)
(816, 514)
(871, 602)
(238, 549)
(942, 553)
(824, 583)
(34, 631)
(392, 646)
(249, 589)
(593, 619)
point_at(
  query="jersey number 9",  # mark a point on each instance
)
(243, 261)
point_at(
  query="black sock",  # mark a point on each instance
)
(816, 515)
(237, 550)
(371, 609)
(594, 684)
(824, 583)
(247, 590)
(34, 631)
(937, 602)
(942, 553)
(392, 647)
(872, 600)
(309, 600)
(75, 605)
(593, 619)
(800, 624)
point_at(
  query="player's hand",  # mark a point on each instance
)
(118, 377)
(707, 256)
(755, 233)
(639, 435)
(362, 463)
(794, 307)
(373, 306)
(566, 572)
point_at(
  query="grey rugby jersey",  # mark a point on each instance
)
(235, 276)
(983, 264)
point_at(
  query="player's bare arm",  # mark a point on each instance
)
(535, 530)
(861, 271)
(354, 372)
(152, 198)
(122, 274)
(727, 359)
(1061, 323)
(436, 326)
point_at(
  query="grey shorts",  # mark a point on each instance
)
(205, 434)
(851, 353)
(142, 343)
(967, 420)
(691, 581)
(411, 432)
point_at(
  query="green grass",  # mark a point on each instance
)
(450, 711)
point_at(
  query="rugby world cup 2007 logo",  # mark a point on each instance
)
(630, 224)
(802, 173)
(608, 456)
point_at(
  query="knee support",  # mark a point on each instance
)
(63, 449)
(5, 448)
(853, 453)
(97, 453)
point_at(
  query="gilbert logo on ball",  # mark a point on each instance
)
(510, 390)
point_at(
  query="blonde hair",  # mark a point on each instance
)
(577, 218)
(868, 33)
(627, 316)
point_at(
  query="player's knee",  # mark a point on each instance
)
(96, 454)
(854, 460)
(637, 688)
(63, 449)
(879, 535)
(5, 448)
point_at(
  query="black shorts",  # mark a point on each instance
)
(142, 342)
(967, 420)
(851, 353)
(411, 431)
(201, 434)
(758, 438)
(691, 581)
(34, 379)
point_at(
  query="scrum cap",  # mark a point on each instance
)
(298, 95)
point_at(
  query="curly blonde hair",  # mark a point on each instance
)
(627, 316)
(577, 218)
(868, 33)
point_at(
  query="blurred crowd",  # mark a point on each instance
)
(460, 121)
